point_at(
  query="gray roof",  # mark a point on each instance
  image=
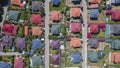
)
(115, 44)
(20, 43)
(7, 41)
(115, 29)
(94, 43)
(36, 60)
(36, 5)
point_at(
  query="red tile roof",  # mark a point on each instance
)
(16, 2)
(55, 15)
(117, 15)
(75, 42)
(22, 6)
(18, 63)
(76, 27)
(94, 5)
(36, 19)
(94, 28)
(25, 30)
(115, 57)
(89, 35)
(36, 31)
(94, 1)
(75, 12)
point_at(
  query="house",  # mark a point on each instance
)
(32, 52)
(7, 41)
(115, 2)
(13, 15)
(76, 57)
(16, 2)
(75, 12)
(22, 6)
(94, 28)
(55, 44)
(115, 15)
(5, 65)
(108, 7)
(75, 27)
(115, 29)
(75, 42)
(76, 1)
(94, 1)
(94, 6)
(115, 44)
(20, 43)
(94, 13)
(25, 30)
(36, 5)
(55, 29)
(36, 19)
(93, 67)
(36, 60)
(115, 57)
(36, 44)
(109, 12)
(93, 57)
(94, 43)
(55, 59)
(1, 48)
(18, 63)
(36, 31)
(55, 16)
(55, 2)
(10, 29)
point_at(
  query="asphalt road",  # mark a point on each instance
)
(46, 34)
(84, 34)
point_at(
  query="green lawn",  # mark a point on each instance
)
(100, 34)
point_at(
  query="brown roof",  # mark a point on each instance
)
(75, 42)
(16, 2)
(36, 31)
(115, 57)
(75, 12)
(26, 30)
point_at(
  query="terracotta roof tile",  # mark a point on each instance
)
(75, 42)
(16, 2)
(55, 15)
(25, 30)
(94, 1)
(75, 12)
(36, 31)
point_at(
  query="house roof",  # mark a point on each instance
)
(55, 15)
(94, 28)
(36, 31)
(115, 44)
(76, 57)
(94, 1)
(36, 19)
(55, 2)
(1, 48)
(16, 2)
(36, 5)
(55, 29)
(18, 63)
(36, 60)
(115, 57)
(75, 12)
(20, 43)
(55, 59)
(76, 27)
(13, 15)
(116, 15)
(115, 29)
(94, 13)
(36, 44)
(93, 56)
(94, 43)
(109, 12)
(93, 67)
(25, 30)
(5, 65)
(22, 6)
(75, 42)
(89, 35)
(55, 44)
(7, 40)
(94, 6)
(108, 7)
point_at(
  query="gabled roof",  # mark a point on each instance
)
(115, 57)
(36, 19)
(55, 59)
(94, 28)
(7, 41)
(36, 31)
(18, 63)
(55, 44)
(20, 43)
(55, 15)
(93, 56)
(36, 60)
(116, 15)
(76, 27)
(94, 43)
(36, 5)
(75, 42)
(94, 13)
(5, 65)
(115, 44)
(25, 30)
(115, 29)
(75, 12)
(94, 6)
(55, 2)
(36, 44)
(55, 29)
(76, 57)
(94, 1)
(13, 15)
(16, 2)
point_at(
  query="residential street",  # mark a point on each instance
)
(46, 34)
(9, 53)
(84, 35)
